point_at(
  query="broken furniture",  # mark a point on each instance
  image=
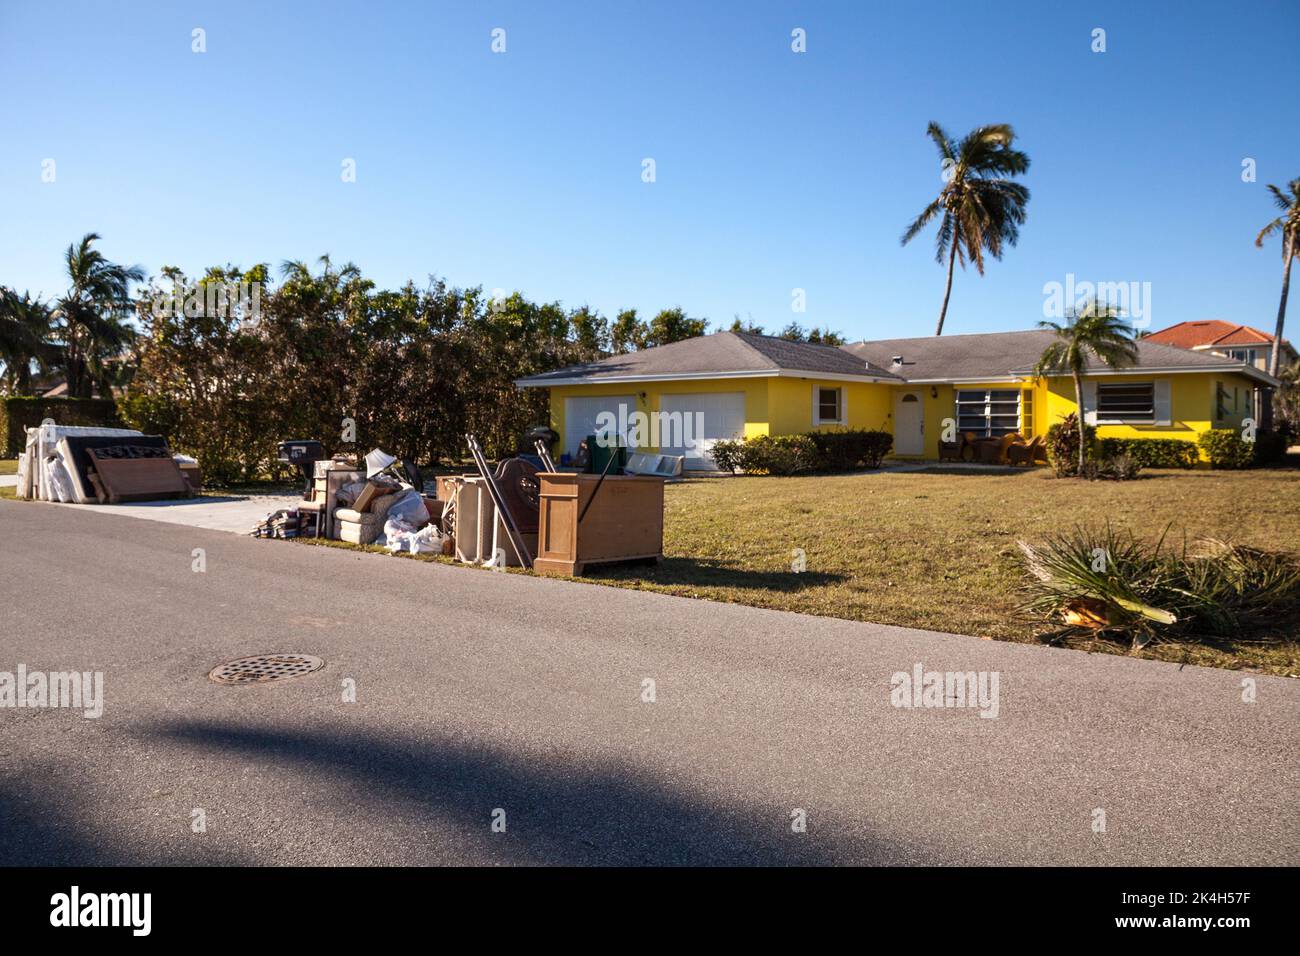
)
(330, 476)
(584, 520)
(362, 525)
(304, 454)
(136, 473)
(645, 463)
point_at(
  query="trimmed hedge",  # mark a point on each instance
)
(1153, 452)
(1227, 449)
(19, 413)
(812, 451)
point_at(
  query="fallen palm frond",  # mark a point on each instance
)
(1107, 583)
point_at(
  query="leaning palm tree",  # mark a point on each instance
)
(92, 315)
(24, 333)
(1095, 328)
(981, 208)
(1289, 225)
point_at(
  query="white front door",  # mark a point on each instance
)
(690, 424)
(909, 424)
(581, 411)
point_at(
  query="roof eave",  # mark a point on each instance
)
(537, 381)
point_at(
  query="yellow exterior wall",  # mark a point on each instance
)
(783, 405)
(773, 406)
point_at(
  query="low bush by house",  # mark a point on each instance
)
(809, 452)
(1225, 448)
(1063, 445)
(1153, 452)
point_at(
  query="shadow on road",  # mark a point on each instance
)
(44, 824)
(558, 811)
(702, 573)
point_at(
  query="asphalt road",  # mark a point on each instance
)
(479, 691)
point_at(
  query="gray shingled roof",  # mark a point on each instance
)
(992, 355)
(976, 357)
(719, 353)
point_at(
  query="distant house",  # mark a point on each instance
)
(739, 384)
(1240, 342)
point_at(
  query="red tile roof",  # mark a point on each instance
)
(1189, 335)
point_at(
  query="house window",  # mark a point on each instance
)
(1243, 355)
(1127, 402)
(830, 406)
(991, 412)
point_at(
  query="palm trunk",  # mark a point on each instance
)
(947, 291)
(1276, 354)
(1078, 404)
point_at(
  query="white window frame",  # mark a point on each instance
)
(986, 403)
(1155, 414)
(840, 404)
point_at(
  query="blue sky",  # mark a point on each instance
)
(774, 170)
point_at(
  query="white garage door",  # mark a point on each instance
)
(580, 415)
(722, 415)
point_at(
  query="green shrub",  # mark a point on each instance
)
(778, 454)
(1153, 452)
(727, 454)
(1227, 449)
(842, 450)
(848, 449)
(1270, 447)
(1112, 585)
(1063, 445)
(19, 413)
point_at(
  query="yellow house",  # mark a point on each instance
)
(680, 398)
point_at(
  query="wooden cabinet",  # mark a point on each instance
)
(624, 523)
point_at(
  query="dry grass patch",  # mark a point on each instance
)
(937, 550)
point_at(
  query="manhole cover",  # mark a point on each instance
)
(267, 667)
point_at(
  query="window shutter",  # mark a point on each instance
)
(1089, 402)
(1163, 402)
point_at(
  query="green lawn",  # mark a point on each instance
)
(8, 466)
(938, 550)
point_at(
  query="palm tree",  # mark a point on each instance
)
(1289, 225)
(92, 316)
(1094, 327)
(24, 330)
(981, 207)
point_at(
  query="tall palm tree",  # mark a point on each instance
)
(981, 207)
(1289, 225)
(1094, 328)
(92, 316)
(24, 331)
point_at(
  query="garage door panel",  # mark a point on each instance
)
(581, 412)
(723, 415)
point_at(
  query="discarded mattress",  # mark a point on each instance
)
(48, 472)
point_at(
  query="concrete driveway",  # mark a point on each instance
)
(487, 698)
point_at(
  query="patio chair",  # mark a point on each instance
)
(1025, 453)
(993, 451)
(963, 449)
